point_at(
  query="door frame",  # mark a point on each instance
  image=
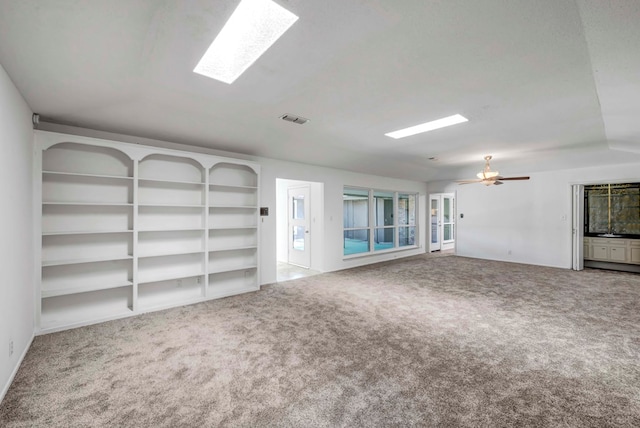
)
(441, 245)
(305, 259)
(317, 217)
(577, 227)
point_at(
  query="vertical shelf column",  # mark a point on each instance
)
(136, 166)
(171, 231)
(232, 230)
(86, 235)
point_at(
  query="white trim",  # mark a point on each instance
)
(577, 227)
(15, 369)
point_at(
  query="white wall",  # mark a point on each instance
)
(525, 221)
(16, 242)
(334, 180)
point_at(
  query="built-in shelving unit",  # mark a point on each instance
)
(128, 229)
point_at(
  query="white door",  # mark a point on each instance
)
(299, 238)
(578, 227)
(448, 221)
(442, 221)
(434, 222)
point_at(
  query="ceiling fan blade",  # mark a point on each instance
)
(468, 181)
(513, 178)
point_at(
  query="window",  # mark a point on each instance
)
(377, 220)
(406, 219)
(356, 221)
(612, 209)
(384, 231)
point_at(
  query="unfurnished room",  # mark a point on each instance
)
(287, 213)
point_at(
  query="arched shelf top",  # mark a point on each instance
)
(170, 167)
(79, 158)
(207, 163)
(232, 173)
(249, 166)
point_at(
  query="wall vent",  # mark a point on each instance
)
(295, 119)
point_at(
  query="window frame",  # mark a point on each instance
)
(372, 227)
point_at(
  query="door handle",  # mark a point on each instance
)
(306, 231)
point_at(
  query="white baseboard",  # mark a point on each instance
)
(5, 389)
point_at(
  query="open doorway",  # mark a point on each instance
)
(299, 228)
(442, 215)
(606, 226)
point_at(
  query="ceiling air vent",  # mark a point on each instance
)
(295, 119)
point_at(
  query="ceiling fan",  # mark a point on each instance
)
(488, 177)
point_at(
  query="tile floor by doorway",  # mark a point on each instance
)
(287, 272)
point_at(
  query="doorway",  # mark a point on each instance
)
(442, 221)
(299, 238)
(299, 228)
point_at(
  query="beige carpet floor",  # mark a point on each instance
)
(422, 341)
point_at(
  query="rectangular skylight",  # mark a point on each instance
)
(429, 126)
(253, 27)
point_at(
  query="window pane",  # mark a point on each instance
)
(598, 209)
(612, 208)
(446, 210)
(407, 236)
(298, 208)
(383, 238)
(447, 233)
(406, 209)
(355, 208)
(298, 238)
(625, 210)
(356, 241)
(383, 208)
(434, 221)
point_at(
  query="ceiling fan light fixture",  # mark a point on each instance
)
(487, 174)
(488, 177)
(428, 126)
(253, 27)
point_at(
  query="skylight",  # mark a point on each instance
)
(254, 26)
(428, 126)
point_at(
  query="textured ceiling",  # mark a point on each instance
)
(545, 84)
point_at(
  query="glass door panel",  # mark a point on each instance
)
(299, 237)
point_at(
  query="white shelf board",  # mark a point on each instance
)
(232, 227)
(77, 174)
(219, 291)
(152, 307)
(144, 279)
(186, 229)
(173, 253)
(158, 180)
(171, 205)
(85, 289)
(46, 263)
(98, 204)
(242, 247)
(233, 186)
(85, 232)
(233, 269)
(70, 322)
(250, 207)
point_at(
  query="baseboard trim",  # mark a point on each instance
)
(612, 266)
(5, 389)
